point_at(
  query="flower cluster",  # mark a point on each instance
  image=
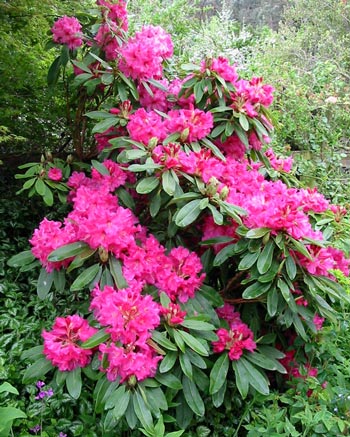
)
(129, 317)
(237, 338)
(61, 344)
(142, 55)
(67, 30)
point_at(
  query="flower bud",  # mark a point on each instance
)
(69, 159)
(103, 254)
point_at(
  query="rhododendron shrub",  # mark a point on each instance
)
(196, 255)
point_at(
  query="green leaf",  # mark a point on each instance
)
(9, 414)
(40, 187)
(218, 373)
(175, 433)
(54, 72)
(37, 370)
(197, 325)
(142, 411)
(33, 353)
(272, 302)
(74, 382)
(48, 196)
(161, 338)
(255, 290)
(248, 260)
(100, 167)
(193, 343)
(188, 213)
(67, 251)
(242, 378)
(224, 254)
(21, 259)
(265, 258)
(219, 396)
(146, 185)
(169, 380)
(291, 267)
(301, 248)
(117, 273)
(192, 396)
(104, 125)
(243, 121)
(265, 362)
(85, 278)
(168, 362)
(100, 337)
(8, 388)
(257, 232)
(168, 183)
(44, 284)
(121, 403)
(186, 365)
(256, 378)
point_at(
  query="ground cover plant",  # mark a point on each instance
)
(188, 272)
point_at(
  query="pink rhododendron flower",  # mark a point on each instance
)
(127, 314)
(61, 343)
(115, 12)
(323, 260)
(318, 322)
(142, 55)
(180, 276)
(67, 30)
(143, 126)
(158, 99)
(173, 157)
(129, 363)
(173, 314)
(228, 313)
(212, 230)
(193, 124)
(183, 101)
(232, 147)
(55, 174)
(235, 340)
(106, 39)
(49, 236)
(222, 67)
(279, 164)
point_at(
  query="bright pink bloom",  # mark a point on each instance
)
(279, 164)
(222, 67)
(236, 340)
(67, 30)
(232, 147)
(61, 343)
(49, 236)
(55, 174)
(115, 12)
(117, 176)
(212, 230)
(106, 39)
(129, 363)
(323, 260)
(192, 124)
(143, 126)
(142, 55)
(228, 313)
(127, 314)
(173, 314)
(180, 276)
(158, 99)
(318, 322)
